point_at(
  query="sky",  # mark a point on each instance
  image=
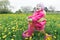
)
(16, 4)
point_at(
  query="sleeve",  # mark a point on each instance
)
(34, 14)
(36, 18)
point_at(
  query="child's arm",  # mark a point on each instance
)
(44, 18)
(37, 17)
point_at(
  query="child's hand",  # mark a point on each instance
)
(30, 20)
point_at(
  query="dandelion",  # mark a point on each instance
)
(7, 24)
(0, 24)
(26, 38)
(13, 30)
(4, 36)
(12, 39)
(21, 29)
(5, 30)
(30, 38)
(14, 35)
(55, 30)
(0, 37)
(33, 34)
(2, 33)
(49, 38)
(46, 34)
(9, 33)
(54, 36)
(13, 27)
(8, 28)
(55, 33)
(16, 24)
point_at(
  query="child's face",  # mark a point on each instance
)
(38, 8)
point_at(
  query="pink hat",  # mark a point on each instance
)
(40, 5)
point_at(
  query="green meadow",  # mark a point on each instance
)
(13, 25)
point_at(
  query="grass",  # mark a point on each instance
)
(13, 25)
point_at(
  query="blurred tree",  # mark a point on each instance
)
(19, 11)
(52, 8)
(26, 9)
(4, 4)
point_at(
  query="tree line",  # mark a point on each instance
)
(5, 5)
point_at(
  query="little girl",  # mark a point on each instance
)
(36, 22)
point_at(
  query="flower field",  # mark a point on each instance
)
(13, 25)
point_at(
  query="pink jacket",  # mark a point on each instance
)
(35, 24)
(36, 16)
